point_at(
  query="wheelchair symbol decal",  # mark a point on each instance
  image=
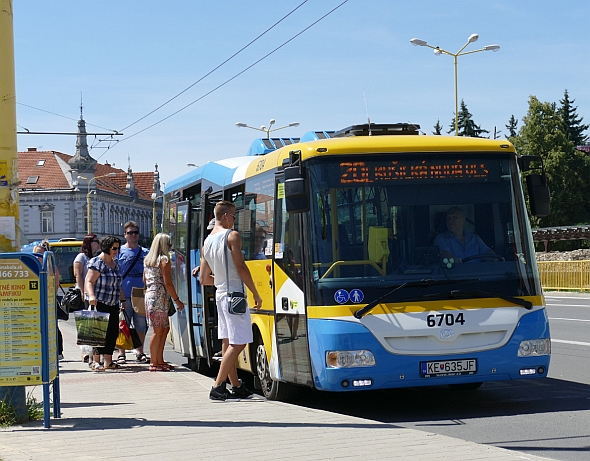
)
(341, 296)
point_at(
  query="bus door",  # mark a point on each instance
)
(290, 310)
(204, 307)
(181, 272)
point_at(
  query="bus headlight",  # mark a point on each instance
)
(533, 347)
(349, 359)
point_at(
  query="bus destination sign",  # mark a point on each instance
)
(414, 170)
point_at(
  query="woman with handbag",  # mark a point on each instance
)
(103, 289)
(90, 246)
(159, 290)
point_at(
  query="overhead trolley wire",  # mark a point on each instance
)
(220, 65)
(236, 75)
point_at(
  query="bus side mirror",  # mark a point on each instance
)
(296, 199)
(536, 184)
(539, 195)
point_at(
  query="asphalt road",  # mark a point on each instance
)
(549, 417)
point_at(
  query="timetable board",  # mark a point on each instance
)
(20, 324)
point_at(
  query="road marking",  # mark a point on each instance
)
(571, 320)
(575, 343)
(568, 305)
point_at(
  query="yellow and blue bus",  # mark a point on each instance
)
(341, 233)
(64, 251)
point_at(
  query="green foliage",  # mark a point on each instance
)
(544, 133)
(437, 128)
(575, 128)
(512, 127)
(7, 413)
(467, 127)
(34, 408)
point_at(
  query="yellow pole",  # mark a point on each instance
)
(9, 213)
(89, 210)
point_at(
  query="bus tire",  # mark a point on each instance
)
(272, 390)
(465, 386)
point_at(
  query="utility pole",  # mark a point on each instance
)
(9, 225)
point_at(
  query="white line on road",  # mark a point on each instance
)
(571, 320)
(575, 343)
(568, 305)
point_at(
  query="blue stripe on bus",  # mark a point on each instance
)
(328, 335)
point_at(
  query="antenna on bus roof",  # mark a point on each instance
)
(367, 109)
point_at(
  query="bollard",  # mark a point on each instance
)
(16, 396)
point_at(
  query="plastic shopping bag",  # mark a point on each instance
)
(91, 326)
(124, 342)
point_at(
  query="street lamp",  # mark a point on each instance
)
(88, 202)
(154, 220)
(438, 51)
(266, 130)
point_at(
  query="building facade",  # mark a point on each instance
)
(60, 192)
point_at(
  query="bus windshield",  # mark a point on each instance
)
(381, 220)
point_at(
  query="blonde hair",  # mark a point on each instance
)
(160, 247)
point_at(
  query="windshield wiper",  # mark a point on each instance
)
(417, 283)
(488, 294)
(477, 294)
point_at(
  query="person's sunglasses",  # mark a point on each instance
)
(133, 233)
(114, 248)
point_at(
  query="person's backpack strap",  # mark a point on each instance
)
(133, 263)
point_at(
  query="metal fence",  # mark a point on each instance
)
(565, 275)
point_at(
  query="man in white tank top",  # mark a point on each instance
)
(224, 245)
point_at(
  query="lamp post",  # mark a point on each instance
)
(438, 51)
(154, 220)
(268, 130)
(88, 201)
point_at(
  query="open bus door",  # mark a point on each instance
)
(179, 219)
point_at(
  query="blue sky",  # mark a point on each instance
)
(128, 57)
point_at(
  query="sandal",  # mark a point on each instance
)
(158, 368)
(122, 360)
(97, 367)
(168, 366)
(142, 358)
(112, 366)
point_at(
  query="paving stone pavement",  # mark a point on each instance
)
(139, 415)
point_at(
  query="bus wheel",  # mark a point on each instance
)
(465, 386)
(272, 390)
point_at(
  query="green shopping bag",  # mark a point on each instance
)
(91, 326)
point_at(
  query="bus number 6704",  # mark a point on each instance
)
(437, 320)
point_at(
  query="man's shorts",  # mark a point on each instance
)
(236, 328)
(139, 321)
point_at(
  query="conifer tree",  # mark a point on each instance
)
(511, 127)
(575, 128)
(544, 133)
(467, 127)
(437, 128)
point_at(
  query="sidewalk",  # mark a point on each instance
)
(135, 414)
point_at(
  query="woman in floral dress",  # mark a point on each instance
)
(159, 288)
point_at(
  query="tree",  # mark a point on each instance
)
(511, 127)
(437, 128)
(467, 127)
(544, 133)
(575, 128)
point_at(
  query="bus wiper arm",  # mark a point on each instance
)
(418, 283)
(486, 294)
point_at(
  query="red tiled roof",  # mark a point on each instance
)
(51, 175)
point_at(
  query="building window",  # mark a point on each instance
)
(32, 179)
(47, 222)
(41, 162)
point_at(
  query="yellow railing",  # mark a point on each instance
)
(565, 275)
